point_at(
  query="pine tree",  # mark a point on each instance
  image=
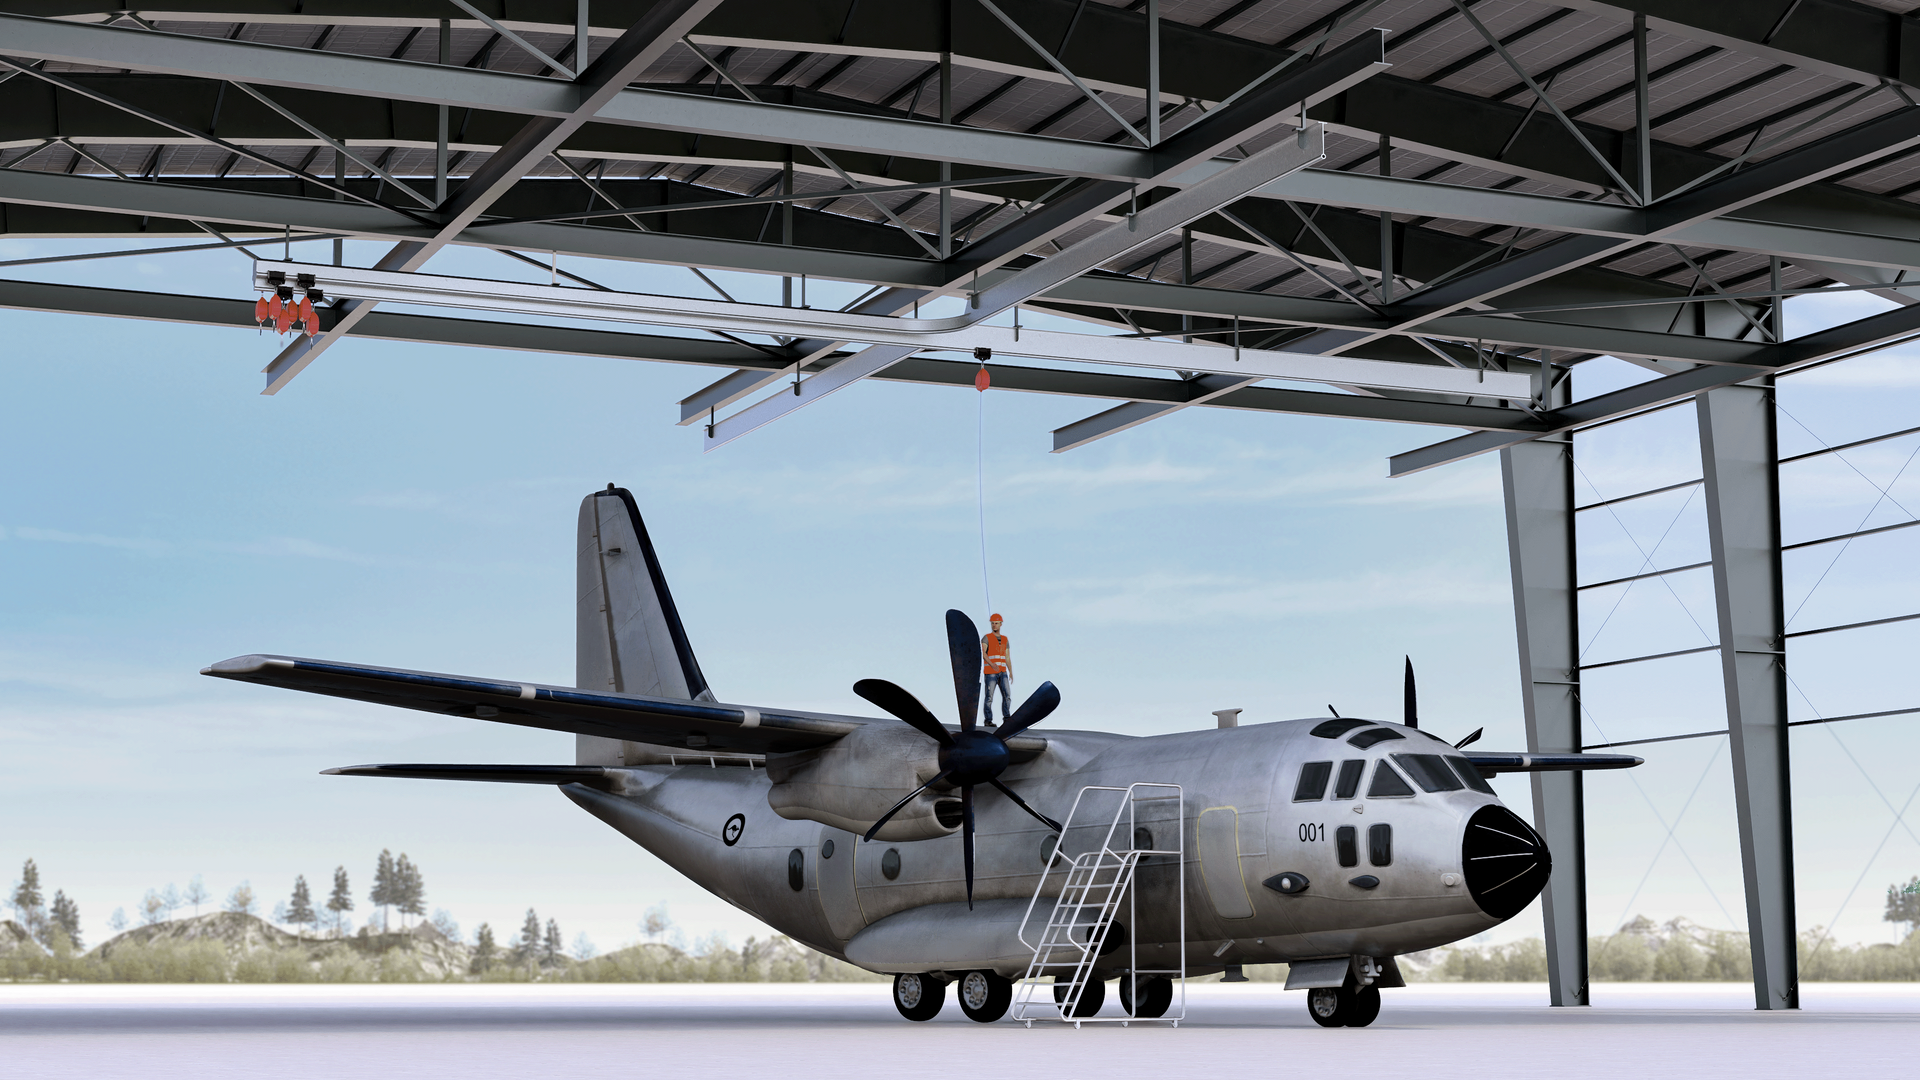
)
(197, 893)
(484, 950)
(341, 901)
(1903, 904)
(526, 949)
(241, 900)
(66, 919)
(300, 911)
(382, 895)
(29, 904)
(551, 948)
(410, 892)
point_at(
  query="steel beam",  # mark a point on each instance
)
(576, 341)
(1537, 480)
(658, 30)
(1740, 456)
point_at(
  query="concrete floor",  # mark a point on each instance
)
(717, 1032)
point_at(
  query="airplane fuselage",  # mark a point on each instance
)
(1397, 882)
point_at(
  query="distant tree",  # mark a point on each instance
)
(1903, 904)
(553, 946)
(118, 922)
(29, 904)
(443, 922)
(383, 895)
(656, 922)
(196, 893)
(410, 892)
(300, 908)
(66, 919)
(152, 909)
(526, 947)
(241, 900)
(583, 947)
(484, 950)
(170, 896)
(341, 901)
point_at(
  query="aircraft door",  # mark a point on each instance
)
(833, 859)
(1217, 841)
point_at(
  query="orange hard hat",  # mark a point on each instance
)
(995, 617)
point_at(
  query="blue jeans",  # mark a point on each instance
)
(1006, 697)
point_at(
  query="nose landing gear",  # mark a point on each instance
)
(1344, 1006)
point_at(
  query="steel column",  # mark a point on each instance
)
(1740, 459)
(1537, 478)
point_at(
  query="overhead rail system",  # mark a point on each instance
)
(1427, 212)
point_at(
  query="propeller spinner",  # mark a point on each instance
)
(973, 756)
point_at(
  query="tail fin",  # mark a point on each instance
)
(628, 636)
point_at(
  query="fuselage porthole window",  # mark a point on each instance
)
(1387, 783)
(1349, 783)
(796, 869)
(890, 864)
(1380, 844)
(1313, 781)
(1346, 843)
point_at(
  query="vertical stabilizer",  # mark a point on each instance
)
(628, 636)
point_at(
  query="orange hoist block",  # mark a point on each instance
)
(307, 318)
(260, 312)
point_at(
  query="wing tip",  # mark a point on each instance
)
(250, 664)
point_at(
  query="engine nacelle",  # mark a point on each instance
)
(849, 784)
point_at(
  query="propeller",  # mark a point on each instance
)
(1413, 710)
(972, 757)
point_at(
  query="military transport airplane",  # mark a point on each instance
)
(1333, 844)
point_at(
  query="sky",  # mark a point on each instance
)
(414, 505)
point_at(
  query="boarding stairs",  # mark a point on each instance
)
(1093, 887)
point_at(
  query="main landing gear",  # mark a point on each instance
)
(1345, 1006)
(919, 997)
(984, 996)
(1155, 996)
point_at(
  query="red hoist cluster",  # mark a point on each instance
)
(280, 310)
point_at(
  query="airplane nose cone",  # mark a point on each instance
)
(1506, 863)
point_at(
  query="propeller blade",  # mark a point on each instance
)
(897, 701)
(966, 812)
(1473, 738)
(1022, 804)
(1413, 705)
(963, 646)
(901, 805)
(1038, 706)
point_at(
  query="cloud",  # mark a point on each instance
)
(271, 547)
(1164, 597)
(148, 545)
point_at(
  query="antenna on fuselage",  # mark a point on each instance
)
(1413, 706)
(1334, 711)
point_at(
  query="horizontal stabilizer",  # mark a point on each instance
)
(1490, 764)
(592, 775)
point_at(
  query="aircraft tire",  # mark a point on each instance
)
(1155, 994)
(1329, 1005)
(918, 997)
(1364, 1007)
(1091, 998)
(984, 996)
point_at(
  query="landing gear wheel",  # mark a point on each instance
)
(1153, 994)
(1091, 998)
(1365, 1007)
(918, 997)
(984, 996)
(1329, 1005)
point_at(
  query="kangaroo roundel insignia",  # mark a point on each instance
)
(730, 832)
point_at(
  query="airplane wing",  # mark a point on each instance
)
(1491, 764)
(700, 726)
(631, 717)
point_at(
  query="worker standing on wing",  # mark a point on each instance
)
(997, 666)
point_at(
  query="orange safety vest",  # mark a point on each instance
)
(996, 654)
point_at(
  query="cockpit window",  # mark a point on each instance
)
(1374, 735)
(1313, 781)
(1387, 783)
(1471, 775)
(1350, 773)
(1429, 771)
(1333, 729)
